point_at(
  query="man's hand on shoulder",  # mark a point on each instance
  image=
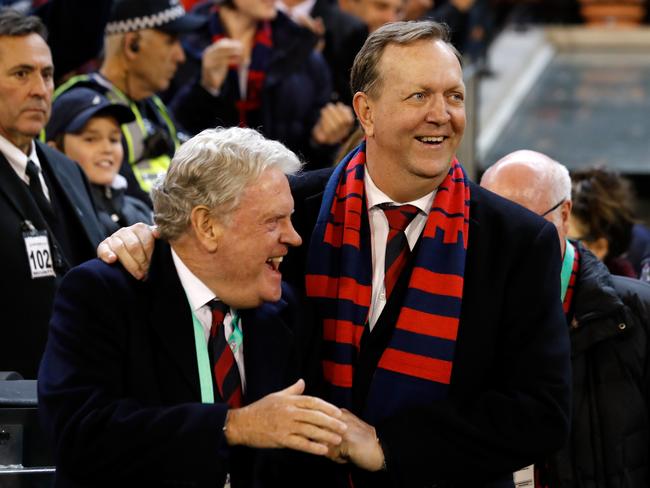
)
(288, 419)
(132, 246)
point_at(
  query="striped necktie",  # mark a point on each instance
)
(225, 370)
(397, 247)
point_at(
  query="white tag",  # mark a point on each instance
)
(39, 255)
(525, 478)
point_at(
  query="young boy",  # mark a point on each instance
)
(85, 126)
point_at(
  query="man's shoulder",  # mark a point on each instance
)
(309, 183)
(74, 180)
(633, 291)
(92, 81)
(110, 276)
(54, 156)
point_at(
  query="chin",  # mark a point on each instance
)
(272, 297)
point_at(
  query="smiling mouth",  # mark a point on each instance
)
(432, 140)
(274, 263)
(104, 163)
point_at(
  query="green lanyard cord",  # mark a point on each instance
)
(567, 268)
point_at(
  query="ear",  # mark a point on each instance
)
(130, 40)
(207, 229)
(565, 213)
(363, 108)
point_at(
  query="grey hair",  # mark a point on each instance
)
(560, 182)
(365, 77)
(213, 169)
(15, 24)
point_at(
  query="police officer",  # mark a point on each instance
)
(142, 53)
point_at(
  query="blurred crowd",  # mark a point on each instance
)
(94, 108)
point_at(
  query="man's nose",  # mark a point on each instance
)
(291, 237)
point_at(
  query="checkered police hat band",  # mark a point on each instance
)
(146, 22)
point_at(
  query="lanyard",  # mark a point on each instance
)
(567, 269)
(203, 362)
(203, 358)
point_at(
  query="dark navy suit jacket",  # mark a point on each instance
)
(509, 397)
(26, 303)
(119, 383)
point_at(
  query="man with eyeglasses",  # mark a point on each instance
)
(608, 317)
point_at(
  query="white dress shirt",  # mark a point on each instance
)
(18, 161)
(297, 12)
(379, 235)
(199, 296)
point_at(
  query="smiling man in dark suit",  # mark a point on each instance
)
(163, 382)
(443, 334)
(47, 220)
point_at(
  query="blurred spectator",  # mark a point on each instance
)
(140, 62)
(608, 318)
(47, 220)
(343, 35)
(374, 13)
(469, 21)
(251, 66)
(75, 40)
(603, 216)
(85, 126)
(639, 251)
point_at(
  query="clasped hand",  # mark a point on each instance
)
(359, 444)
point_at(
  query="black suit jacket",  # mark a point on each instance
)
(26, 303)
(508, 403)
(119, 384)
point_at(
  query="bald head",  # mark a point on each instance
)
(534, 181)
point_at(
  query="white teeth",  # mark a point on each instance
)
(432, 139)
(275, 262)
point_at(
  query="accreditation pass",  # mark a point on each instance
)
(39, 255)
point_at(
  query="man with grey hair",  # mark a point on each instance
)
(170, 381)
(608, 317)
(444, 342)
(142, 51)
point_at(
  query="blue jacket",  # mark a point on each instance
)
(119, 389)
(296, 87)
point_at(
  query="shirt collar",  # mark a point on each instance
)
(198, 294)
(374, 196)
(18, 159)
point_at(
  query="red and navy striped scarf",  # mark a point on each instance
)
(416, 366)
(260, 57)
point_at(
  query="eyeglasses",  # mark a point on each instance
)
(554, 207)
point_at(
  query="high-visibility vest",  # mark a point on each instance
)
(146, 169)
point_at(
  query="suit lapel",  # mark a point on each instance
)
(17, 194)
(268, 342)
(171, 316)
(77, 198)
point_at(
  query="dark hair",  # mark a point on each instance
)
(59, 142)
(603, 201)
(364, 76)
(15, 24)
(227, 3)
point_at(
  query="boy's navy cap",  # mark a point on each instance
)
(74, 108)
(165, 15)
